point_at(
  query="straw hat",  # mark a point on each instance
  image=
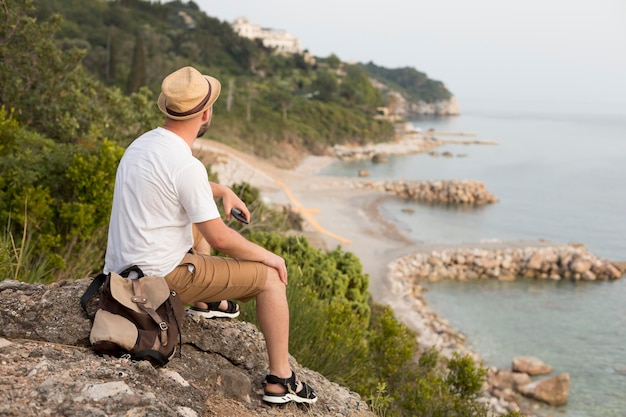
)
(185, 93)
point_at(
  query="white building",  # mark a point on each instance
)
(280, 40)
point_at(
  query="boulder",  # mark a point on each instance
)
(530, 365)
(553, 391)
(505, 379)
(380, 158)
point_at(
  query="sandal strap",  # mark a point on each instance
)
(306, 391)
(291, 385)
(215, 306)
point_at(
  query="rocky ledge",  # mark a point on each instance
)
(47, 368)
(571, 261)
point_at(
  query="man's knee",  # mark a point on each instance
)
(272, 280)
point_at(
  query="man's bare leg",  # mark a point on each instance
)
(272, 312)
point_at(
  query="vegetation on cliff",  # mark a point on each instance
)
(414, 85)
(76, 91)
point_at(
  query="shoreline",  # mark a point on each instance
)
(354, 218)
(347, 212)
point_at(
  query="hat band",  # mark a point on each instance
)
(195, 109)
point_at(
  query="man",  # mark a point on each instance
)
(162, 192)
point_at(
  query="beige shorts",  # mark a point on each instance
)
(213, 278)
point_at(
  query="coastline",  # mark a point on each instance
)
(339, 214)
(349, 213)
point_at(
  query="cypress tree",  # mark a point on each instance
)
(137, 75)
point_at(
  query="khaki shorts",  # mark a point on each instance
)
(213, 278)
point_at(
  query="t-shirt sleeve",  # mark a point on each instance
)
(194, 193)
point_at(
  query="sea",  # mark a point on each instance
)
(559, 172)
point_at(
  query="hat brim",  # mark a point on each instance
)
(216, 88)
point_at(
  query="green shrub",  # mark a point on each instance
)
(57, 195)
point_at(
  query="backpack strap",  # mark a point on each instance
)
(140, 301)
(95, 285)
(133, 268)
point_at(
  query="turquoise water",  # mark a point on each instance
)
(560, 174)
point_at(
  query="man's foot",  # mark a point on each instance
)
(284, 390)
(218, 309)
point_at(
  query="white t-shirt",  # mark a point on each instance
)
(160, 190)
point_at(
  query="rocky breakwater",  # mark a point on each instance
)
(571, 261)
(504, 390)
(463, 192)
(409, 143)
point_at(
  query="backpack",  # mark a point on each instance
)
(138, 317)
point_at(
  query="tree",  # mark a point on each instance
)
(357, 89)
(137, 76)
(325, 86)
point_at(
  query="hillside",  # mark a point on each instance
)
(268, 99)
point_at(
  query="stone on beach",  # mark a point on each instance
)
(505, 379)
(530, 365)
(553, 391)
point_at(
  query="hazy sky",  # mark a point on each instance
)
(565, 50)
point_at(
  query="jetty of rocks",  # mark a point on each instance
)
(460, 192)
(570, 261)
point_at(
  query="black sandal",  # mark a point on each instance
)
(305, 395)
(213, 310)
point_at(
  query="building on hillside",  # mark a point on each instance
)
(282, 41)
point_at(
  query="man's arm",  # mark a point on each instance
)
(230, 200)
(228, 241)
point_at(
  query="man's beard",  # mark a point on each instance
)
(203, 129)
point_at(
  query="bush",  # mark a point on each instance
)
(57, 196)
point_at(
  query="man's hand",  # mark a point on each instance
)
(230, 200)
(278, 263)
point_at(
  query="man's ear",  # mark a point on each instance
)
(206, 115)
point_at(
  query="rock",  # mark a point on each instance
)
(614, 271)
(580, 266)
(530, 365)
(553, 391)
(364, 173)
(505, 379)
(379, 158)
(47, 365)
(536, 260)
